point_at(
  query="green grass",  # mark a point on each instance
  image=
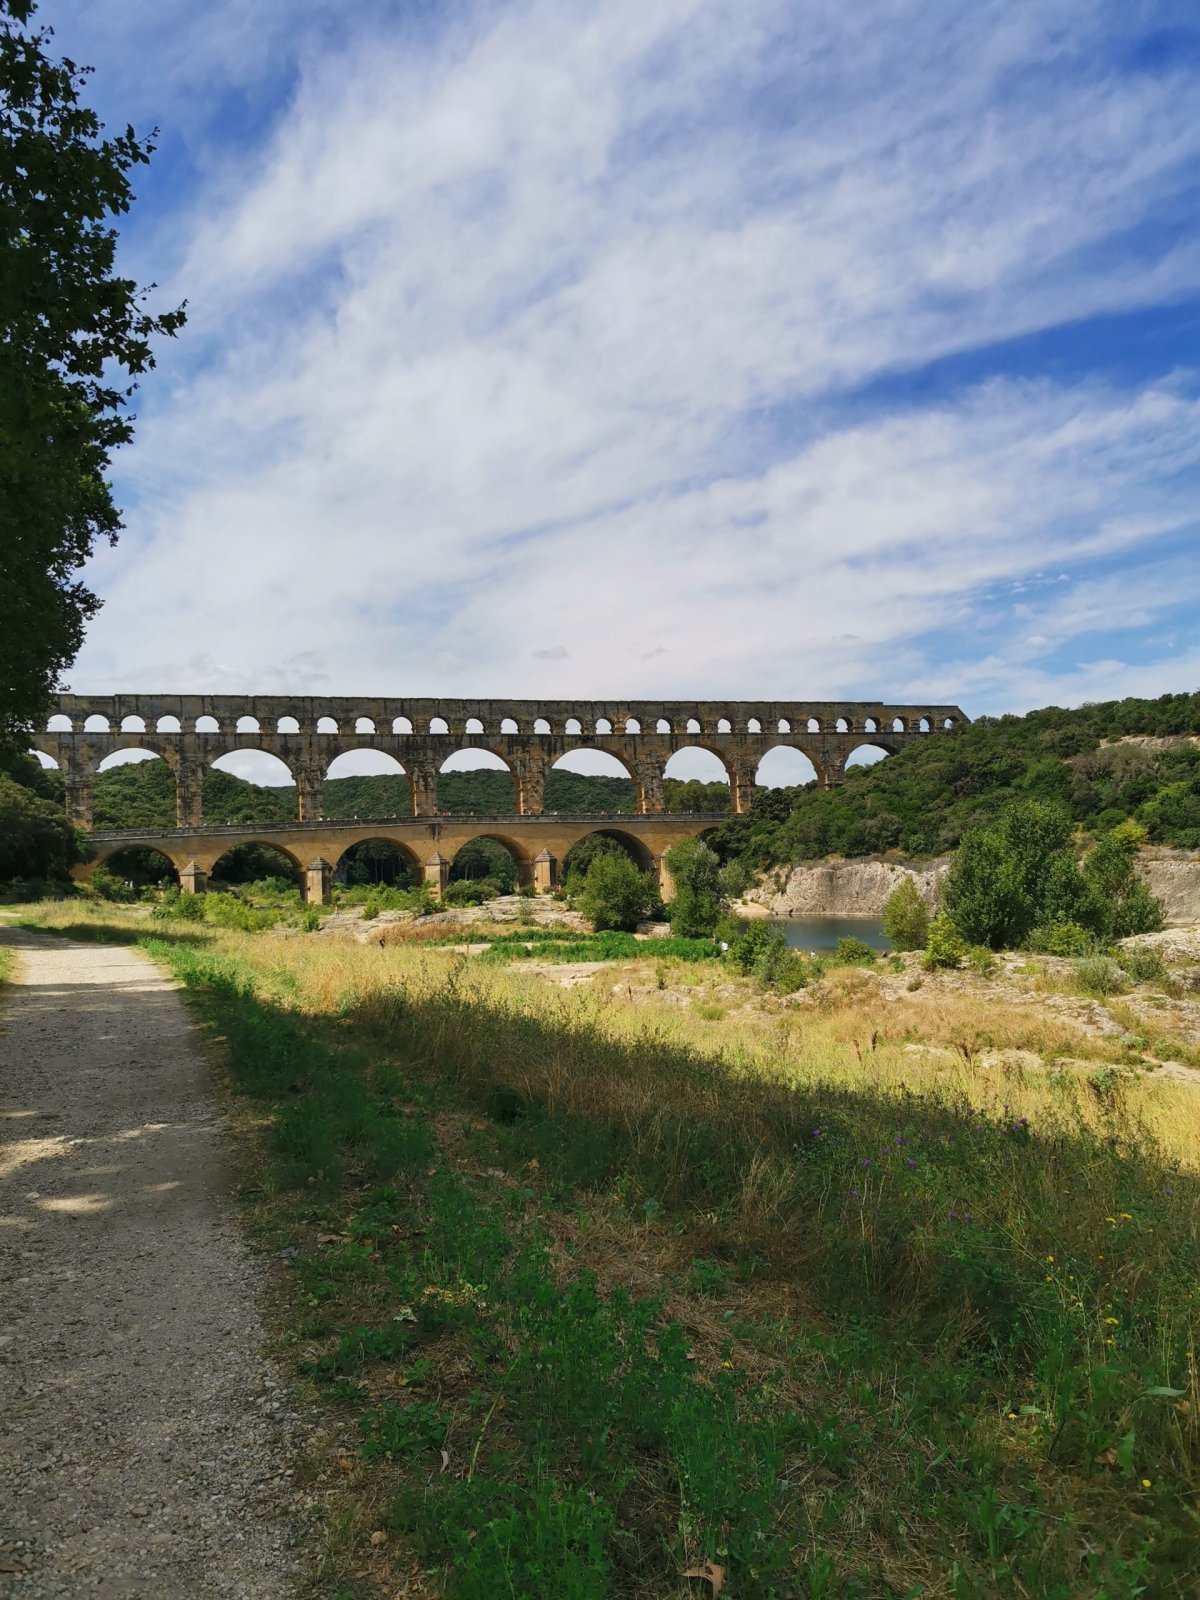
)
(609, 946)
(7, 963)
(657, 1313)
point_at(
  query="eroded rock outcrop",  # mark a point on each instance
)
(844, 888)
(860, 887)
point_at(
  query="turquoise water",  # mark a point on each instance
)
(823, 933)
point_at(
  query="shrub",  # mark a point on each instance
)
(852, 952)
(699, 896)
(471, 892)
(982, 959)
(310, 921)
(1061, 939)
(180, 907)
(944, 946)
(906, 917)
(749, 942)
(1099, 976)
(109, 887)
(1143, 966)
(615, 895)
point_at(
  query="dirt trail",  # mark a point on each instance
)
(143, 1437)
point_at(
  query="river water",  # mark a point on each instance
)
(823, 933)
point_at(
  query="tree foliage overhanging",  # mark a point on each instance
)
(74, 336)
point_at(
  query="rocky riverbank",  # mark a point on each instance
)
(859, 887)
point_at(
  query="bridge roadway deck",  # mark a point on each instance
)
(538, 844)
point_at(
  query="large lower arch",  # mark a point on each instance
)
(488, 859)
(139, 867)
(251, 786)
(133, 788)
(254, 862)
(589, 844)
(378, 861)
(476, 782)
(366, 786)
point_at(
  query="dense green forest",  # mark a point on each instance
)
(923, 799)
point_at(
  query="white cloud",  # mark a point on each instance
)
(491, 331)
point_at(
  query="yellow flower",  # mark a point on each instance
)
(1113, 1322)
(1012, 1414)
(1049, 1258)
(1145, 1483)
(1048, 1278)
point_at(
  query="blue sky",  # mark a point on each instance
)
(688, 348)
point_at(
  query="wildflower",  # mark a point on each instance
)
(1048, 1278)
(1113, 1322)
(1049, 1258)
(866, 1163)
(1012, 1414)
(1145, 1483)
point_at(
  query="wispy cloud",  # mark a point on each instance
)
(516, 326)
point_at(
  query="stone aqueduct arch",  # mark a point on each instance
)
(538, 845)
(307, 734)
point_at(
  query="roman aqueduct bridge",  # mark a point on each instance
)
(191, 732)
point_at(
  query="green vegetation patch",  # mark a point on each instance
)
(905, 1347)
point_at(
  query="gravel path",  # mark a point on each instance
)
(144, 1439)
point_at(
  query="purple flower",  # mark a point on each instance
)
(866, 1163)
(854, 1192)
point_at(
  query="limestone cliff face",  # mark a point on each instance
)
(1174, 875)
(841, 888)
(860, 887)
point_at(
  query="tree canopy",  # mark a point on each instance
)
(74, 336)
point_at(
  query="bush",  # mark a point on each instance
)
(471, 892)
(1143, 966)
(699, 896)
(784, 970)
(749, 942)
(906, 917)
(1061, 939)
(852, 952)
(982, 959)
(615, 895)
(944, 946)
(110, 887)
(1099, 976)
(178, 907)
